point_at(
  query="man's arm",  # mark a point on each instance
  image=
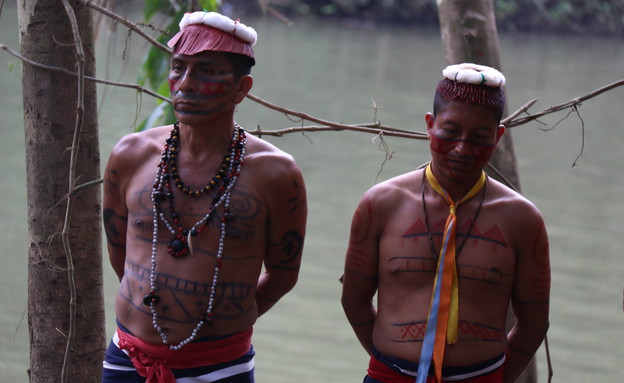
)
(530, 299)
(115, 213)
(360, 274)
(286, 233)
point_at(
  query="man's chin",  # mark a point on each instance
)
(464, 172)
(193, 113)
(462, 169)
(181, 113)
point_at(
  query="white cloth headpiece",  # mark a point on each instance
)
(224, 23)
(469, 73)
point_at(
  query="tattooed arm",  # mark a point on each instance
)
(123, 164)
(287, 216)
(530, 299)
(115, 214)
(360, 274)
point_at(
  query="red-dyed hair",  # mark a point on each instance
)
(449, 90)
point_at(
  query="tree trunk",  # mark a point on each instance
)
(469, 34)
(50, 114)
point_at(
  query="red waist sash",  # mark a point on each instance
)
(381, 372)
(155, 361)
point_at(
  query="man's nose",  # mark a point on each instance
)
(187, 83)
(463, 147)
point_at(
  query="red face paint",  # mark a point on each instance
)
(460, 156)
(205, 88)
(480, 151)
(213, 88)
(173, 81)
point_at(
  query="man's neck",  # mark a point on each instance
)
(456, 187)
(206, 140)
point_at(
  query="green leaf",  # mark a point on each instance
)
(153, 119)
(163, 88)
(209, 5)
(169, 116)
(154, 6)
(154, 68)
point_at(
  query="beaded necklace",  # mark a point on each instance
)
(180, 243)
(434, 252)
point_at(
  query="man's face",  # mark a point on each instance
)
(202, 86)
(462, 139)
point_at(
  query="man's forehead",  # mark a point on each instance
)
(457, 113)
(204, 56)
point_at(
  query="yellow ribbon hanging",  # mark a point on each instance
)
(448, 308)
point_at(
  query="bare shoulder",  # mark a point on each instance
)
(137, 145)
(130, 156)
(134, 149)
(268, 160)
(391, 192)
(513, 204)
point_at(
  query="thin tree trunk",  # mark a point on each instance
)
(469, 34)
(50, 117)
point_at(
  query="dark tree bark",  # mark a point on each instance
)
(50, 117)
(469, 34)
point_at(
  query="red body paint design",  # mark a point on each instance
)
(539, 247)
(356, 258)
(361, 224)
(416, 331)
(416, 231)
(479, 331)
(492, 276)
(413, 331)
(541, 286)
(480, 152)
(172, 83)
(212, 88)
(412, 264)
(492, 235)
(495, 235)
(206, 88)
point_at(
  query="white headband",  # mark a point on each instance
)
(468, 73)
(224, 23)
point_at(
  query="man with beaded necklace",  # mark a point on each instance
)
(447, 250)
(205, 224)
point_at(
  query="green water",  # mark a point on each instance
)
(337, 71)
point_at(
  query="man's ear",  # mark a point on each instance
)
(499, 132)
(430, 121)
(244, 85)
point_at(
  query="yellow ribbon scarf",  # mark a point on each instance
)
(443, 313)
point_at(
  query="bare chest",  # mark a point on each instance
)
(234, 214)
(410, 247)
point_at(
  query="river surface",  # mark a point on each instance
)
(337, 71)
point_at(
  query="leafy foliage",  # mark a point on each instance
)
(576, 16)
(154, 71)
(597, 17)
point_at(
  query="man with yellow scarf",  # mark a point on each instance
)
(447, 250)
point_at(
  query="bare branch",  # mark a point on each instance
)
(518, 112)
(375, 128)
(331, 126)
(575, 108)
(94, 79)
(134, 27)
(565, 105)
